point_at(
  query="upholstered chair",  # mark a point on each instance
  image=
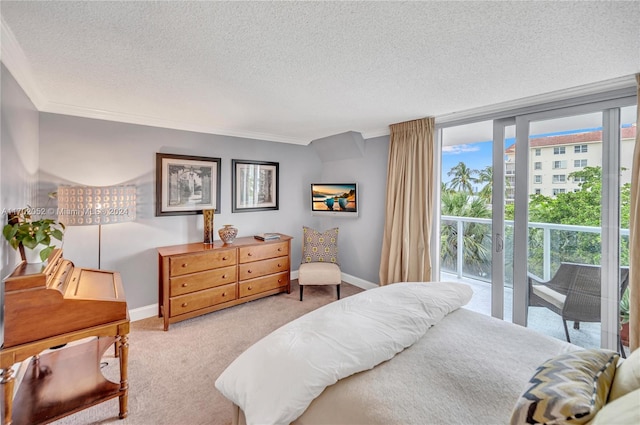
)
(319, 259)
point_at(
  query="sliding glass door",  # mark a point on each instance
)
(552, 191)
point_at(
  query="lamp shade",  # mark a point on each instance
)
(90, 205)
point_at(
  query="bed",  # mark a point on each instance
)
(463, 368)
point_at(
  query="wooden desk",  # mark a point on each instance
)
(65, 380)
(52, 304)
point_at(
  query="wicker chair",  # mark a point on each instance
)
(573, 293)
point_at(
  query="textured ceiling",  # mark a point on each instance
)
(298, 71)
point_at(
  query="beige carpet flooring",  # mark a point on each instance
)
(172, 374)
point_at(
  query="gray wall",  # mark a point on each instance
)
(18, 158)
(100, 153)
(40, 151)
(360, 240)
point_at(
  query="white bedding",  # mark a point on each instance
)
(276, 379)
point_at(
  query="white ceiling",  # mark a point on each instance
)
(298, 71)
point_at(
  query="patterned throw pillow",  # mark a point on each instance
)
(320, 247)
(567, 389)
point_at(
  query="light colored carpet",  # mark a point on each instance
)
(172, 374)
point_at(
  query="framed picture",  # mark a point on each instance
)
(186, 184)
(254, 185)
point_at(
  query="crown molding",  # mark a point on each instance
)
(14, 59)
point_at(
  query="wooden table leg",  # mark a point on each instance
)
(7, 380)
(124, 372)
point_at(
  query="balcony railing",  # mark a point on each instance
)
(547, 249)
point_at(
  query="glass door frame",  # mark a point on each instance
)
(610, 222)
(497, 217)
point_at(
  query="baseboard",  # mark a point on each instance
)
(143, 312)
(152, 309)
(356, 281)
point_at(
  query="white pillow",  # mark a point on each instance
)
(627, 376)
(623, 411)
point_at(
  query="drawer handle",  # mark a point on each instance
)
(279, 280)
(224, 294)
(224, 276)
(279, 249)
(249, 271)
(184, 264)
(279, 265)
(249, 254)
(225, 258)
(184, 285)
(184, 304)
(248, 288)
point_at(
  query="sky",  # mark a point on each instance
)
(478, 155)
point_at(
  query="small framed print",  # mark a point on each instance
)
(254, 185)
(186, 184)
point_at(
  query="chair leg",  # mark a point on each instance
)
(338, 287)
(576, 325)
(301, 287)
(566, 330)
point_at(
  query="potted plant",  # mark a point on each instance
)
(36, 235)
(624, 317)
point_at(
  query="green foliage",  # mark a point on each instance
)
(476, 236)
(463, 178)
(485, 177)
(582, 208)
(30, 233)
(624, 307)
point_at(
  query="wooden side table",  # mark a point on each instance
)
(64, 381)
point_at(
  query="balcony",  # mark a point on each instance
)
(547, 255)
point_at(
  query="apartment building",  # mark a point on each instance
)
(553, 158)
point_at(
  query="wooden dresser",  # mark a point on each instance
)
(196, 279)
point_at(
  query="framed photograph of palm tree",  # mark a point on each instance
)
(254, 185)
(186, 184)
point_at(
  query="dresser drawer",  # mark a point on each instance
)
(262, 284)
(185, 264)
(202, 299)
(202, 280)
(261, 252)
(263, 268)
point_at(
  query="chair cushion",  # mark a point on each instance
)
(567, 389)
(549, 295)
(319, 274)
(320, 247)
(627, 377)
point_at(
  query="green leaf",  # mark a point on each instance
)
(44, 254)
(57, 233)
(29, 242)
(9, 231)
(14, 243)
(40, 235)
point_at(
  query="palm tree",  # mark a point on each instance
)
(462, 178)
(485, 176)
(476, 237)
